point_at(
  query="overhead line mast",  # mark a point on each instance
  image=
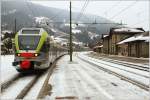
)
(71, 49)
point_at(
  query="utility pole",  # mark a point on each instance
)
(71, 50)
(15, 26)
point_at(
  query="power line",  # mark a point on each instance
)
(53, 17)
(113, 6)
(29, 7)
(124, 9)
(35, 9)
(83, 9)
(139, 22)
(91, 23)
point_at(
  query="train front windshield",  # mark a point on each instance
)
(28, 42)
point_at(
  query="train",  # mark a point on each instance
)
(35, 49)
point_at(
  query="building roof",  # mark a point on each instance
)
(126, 29)
(139, 37)
(105, 36)
(98, 46)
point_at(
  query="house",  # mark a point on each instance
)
(135, 46)
(118, 34)
(105, 41)
(98, 49)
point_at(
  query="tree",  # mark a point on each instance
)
(8, 44)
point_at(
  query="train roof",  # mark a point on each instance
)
(32, 28)
(31, 31)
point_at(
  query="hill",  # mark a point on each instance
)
(25, 13)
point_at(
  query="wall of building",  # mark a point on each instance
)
(106, 45)
(144, 49)
(115, 38)
(123, 49)
(138, 49)
(133, 49)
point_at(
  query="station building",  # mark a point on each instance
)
(135, 46)
(133, 42)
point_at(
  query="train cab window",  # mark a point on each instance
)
(28, 42)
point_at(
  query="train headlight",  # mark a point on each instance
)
(18, 54)
(35, 54)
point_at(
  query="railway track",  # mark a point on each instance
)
(27, 85)
(140, 67)
(122, 69)
(26, 89)
(135, 82)
(14, 82)
(126, 64)
(7, 83)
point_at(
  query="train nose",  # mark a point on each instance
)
(25, 64)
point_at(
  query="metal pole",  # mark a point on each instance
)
(15, 26)
(70, 34)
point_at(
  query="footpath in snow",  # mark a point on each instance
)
(83, 81)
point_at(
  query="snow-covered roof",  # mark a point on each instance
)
(77, 43)
(60, 39)
(33, 28)
(41, 20)
(76, 31)
(98, 46)
(105, 36)
(126, 29)
(53, 30)
(136, 38)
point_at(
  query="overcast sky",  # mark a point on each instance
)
(133, 13)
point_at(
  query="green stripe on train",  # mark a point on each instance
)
(16, 43)
(41, 42)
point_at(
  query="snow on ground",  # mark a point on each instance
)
(122, 67)
(33, 93)
(139, 64)
(7, 70)
(75, 31)
(123, 58)
(135, 74)
(83, 81)
(16, 88)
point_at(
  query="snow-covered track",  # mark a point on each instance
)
(120, 67)
(25, 90)
(6, 84)
(23, 81)
(128, 79)
(127, 64)
(47, 87)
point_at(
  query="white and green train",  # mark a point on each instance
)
(35, 49)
